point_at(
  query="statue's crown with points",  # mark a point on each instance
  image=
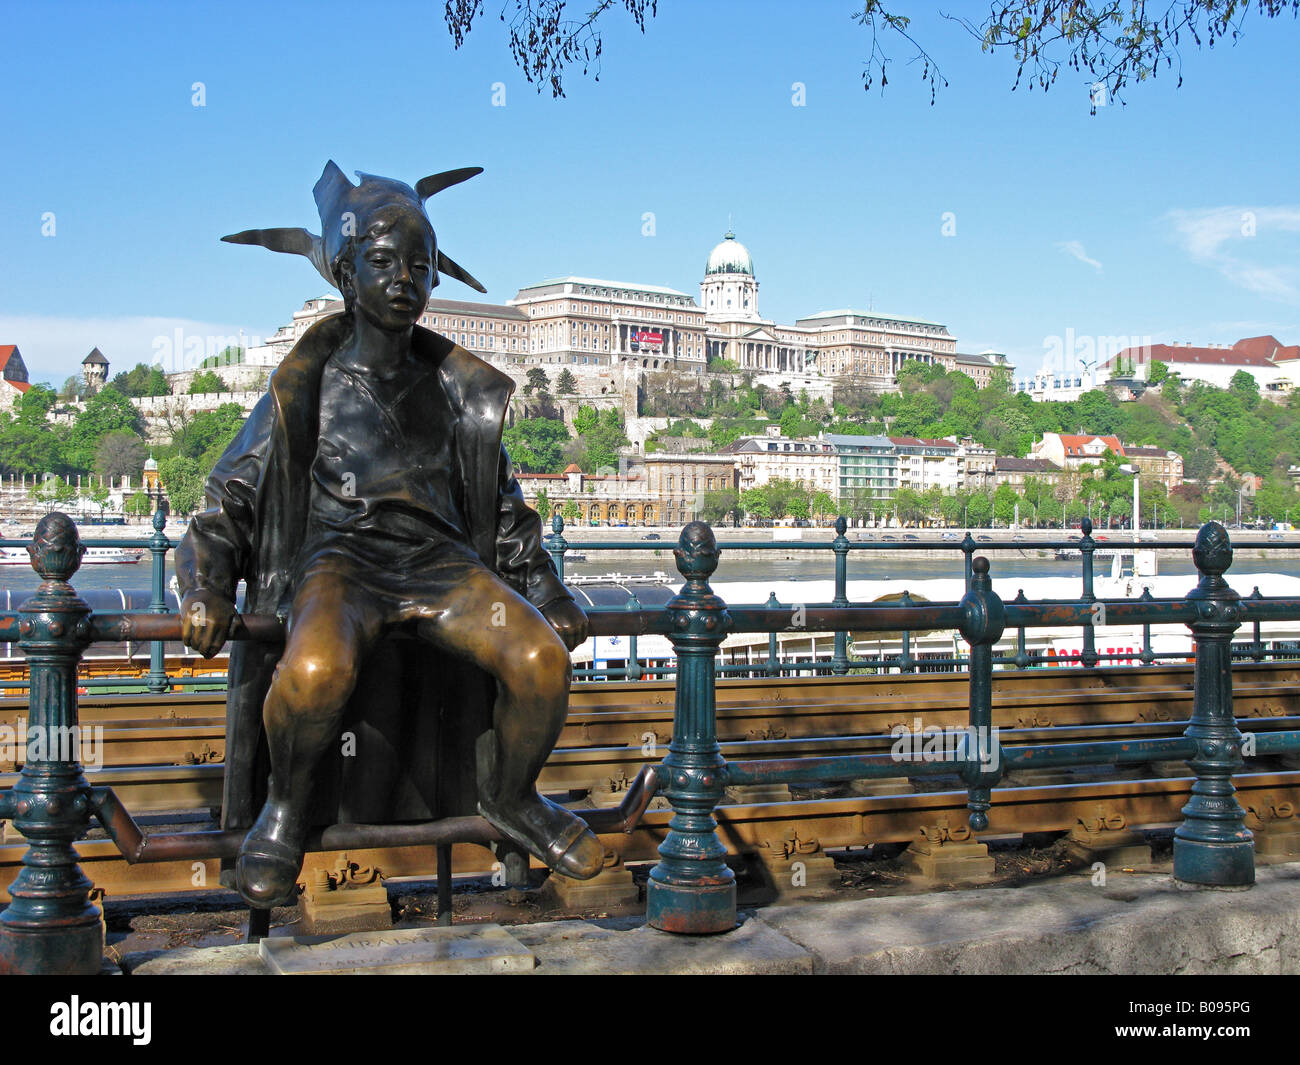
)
(345, 209)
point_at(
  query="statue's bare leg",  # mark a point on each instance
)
(488, 623)
(328, 637)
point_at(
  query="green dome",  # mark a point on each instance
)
(729, 257)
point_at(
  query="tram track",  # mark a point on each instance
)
(189, 730)
(817, 824)
(616, 728)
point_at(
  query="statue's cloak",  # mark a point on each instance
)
(406, 746)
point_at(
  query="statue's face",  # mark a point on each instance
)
(393, 273)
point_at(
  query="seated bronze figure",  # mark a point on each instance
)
(368, 497)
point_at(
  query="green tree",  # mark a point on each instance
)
(31, 445)
(207, 434)
(601, 436)
(718, 505)
(570, 512)
(119, 454)
(36, 403)
(207, 381)
(52, 491)
(138, 505)
(1004, 505)
(229, 356)
(543, 506)
(1050, 510)
(537, 382)
(536, 445)
(979, 510)
(566, 384)
(755, 504)
(1244, 386)
(99, 496)
(142, 380)
(951, 507)
(1157, 371)
(822, 505)
(107, 411)
(183, 481)
(781, 494)
(909, 506)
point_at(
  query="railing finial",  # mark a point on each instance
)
(56, 549)
(697, 554)
(1212, 554)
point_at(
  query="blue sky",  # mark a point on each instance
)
(1176, 217)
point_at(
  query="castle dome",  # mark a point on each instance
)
(729, 257)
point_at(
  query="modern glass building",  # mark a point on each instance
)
(868, 466)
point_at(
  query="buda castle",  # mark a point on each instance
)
(604, 329)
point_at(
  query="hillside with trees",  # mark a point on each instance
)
(1222, 434)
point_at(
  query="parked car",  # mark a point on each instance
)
(653, 536)
(984, 539)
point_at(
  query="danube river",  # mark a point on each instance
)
(20, 581)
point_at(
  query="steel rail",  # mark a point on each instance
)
(831, 824)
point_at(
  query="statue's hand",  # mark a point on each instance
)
(205, 621)
(569, 620)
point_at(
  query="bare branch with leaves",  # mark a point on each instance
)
(1116, 42)
(544, 41)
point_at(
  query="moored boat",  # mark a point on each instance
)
(94, 556)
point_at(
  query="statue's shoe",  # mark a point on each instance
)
(266, 873)
(550, 833)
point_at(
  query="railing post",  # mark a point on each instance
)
(1087, 546)
(983, 625)
(1147, 656)
(773, 650)
(157, 678)
(691, 889)
(840, 545)
(1257, 651)
(51, 926)
(968, 553)
(1213, 846)
(557, 545)
(906, 663)
(1022, 654)
(634, 666)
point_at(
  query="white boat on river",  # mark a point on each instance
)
(94, 556)
(1119, 644)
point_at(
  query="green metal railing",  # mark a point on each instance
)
(841, 662)
(906, 661)
(51, 925)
